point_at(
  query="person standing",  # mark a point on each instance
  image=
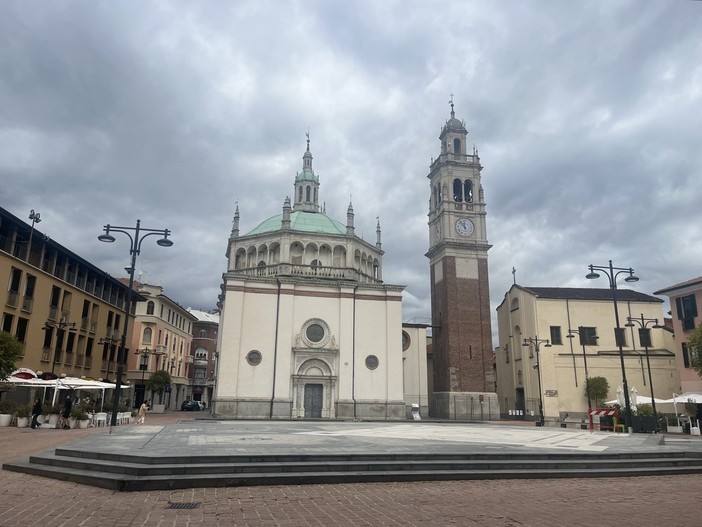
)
(142, 412)
(36, 412)
(66, 413)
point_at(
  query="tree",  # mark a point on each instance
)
(157, 383)
(599, 388)
(694, 345)
(10, 352)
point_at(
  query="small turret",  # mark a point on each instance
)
(235, 223)
(286, 214)
(349, 220)
(378, 245)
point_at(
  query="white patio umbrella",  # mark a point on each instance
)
(640, 399)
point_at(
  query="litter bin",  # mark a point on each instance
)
(415, 412)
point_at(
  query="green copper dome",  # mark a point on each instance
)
(302, 221)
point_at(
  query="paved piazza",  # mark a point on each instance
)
(651, 501)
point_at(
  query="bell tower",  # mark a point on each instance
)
(460, 296)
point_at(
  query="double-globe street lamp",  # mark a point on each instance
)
(536, 342)
(144, 355)
(612, 273)
(645, 340)
(139, 235)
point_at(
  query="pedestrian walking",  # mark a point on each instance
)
(142, 412)
(66, 413)
(36, 412)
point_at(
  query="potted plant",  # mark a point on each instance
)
(23, 413)
(45, 412)
(78, 414)
(8, 408)
(54, 412)
(674, 426)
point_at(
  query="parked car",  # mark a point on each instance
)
(191, 406)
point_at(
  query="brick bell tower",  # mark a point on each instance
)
(464, 385)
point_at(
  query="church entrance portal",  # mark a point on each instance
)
(313, 400)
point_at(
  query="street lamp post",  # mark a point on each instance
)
(645, 339)
(612, 273)
(571, 334)
(36, 218)
(60, 326)
(536, 341)
(139, 235)
(143, 366)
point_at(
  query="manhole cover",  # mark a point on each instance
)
(175, 505)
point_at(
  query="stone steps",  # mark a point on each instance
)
(131, 472)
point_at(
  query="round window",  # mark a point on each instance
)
(405, 341)
(315, 333)
(371, 362)
(254, 358)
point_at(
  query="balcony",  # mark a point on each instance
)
(333, 273)
(12, 299)
(27, 304)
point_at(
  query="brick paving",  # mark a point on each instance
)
(31, 501)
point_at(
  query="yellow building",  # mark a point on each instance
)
(67, 313)
(546, 315)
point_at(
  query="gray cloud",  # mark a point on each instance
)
(586, 116)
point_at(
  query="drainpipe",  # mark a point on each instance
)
(275, 345)
(353, 354)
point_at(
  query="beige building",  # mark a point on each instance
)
(684, 299)
(67, 313)
(415, 366)
(308, 327)
(547, 314)
(204, 351)
(162, 338)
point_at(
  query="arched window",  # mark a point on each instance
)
(457, 190)
(203, 333)
(315, 195)
(457, 146)
(146, 339)
(150, 308)
(261, 268)
(468, 191)
(307, 194)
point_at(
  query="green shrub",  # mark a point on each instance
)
(8, 406)
(24, 411)
(644, 410)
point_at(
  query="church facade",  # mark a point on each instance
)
(308, 327)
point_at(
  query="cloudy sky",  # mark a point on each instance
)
(587, 116)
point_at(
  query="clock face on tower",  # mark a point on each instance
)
(464, 227)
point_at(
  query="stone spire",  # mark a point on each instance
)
(286, 214)
(349, 220)
(377, 235)
(235, 223)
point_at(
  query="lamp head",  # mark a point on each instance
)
(570, 335)
(164, 242)
(632, 277)
(592, 275)
(107, 238)
(629, 324)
